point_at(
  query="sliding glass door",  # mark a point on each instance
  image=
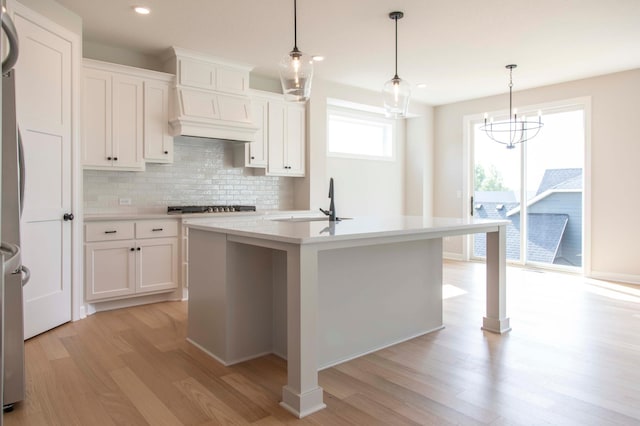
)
(538, 187)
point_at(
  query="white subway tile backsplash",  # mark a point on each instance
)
(202, 173)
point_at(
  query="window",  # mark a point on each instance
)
(538, 187)
(353, 133)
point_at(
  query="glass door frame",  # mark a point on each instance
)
(469, 121)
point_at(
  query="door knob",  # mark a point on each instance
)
(68, 216)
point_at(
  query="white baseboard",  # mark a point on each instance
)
(452, 256)
(92, 308)
(611, 276)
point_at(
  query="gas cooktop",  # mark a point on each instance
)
(209, 209)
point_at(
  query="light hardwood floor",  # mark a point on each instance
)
(572, 358)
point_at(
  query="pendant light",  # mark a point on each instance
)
(396, 91)
(296, 69)
(514, 130)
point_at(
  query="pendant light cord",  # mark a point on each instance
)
(510, 91)
(295, 25)
(396, 19)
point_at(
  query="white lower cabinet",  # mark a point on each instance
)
(130, 258)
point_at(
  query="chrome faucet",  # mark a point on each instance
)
(332, 206)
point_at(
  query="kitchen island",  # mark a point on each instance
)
(319, 293)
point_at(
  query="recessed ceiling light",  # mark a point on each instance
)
(142, 10)
(318, 58)
(421, 86)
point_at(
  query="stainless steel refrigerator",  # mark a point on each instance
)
(14, 273)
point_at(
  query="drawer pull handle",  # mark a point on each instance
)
(110, 232)
(156, 229)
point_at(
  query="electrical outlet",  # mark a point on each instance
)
(125, 201)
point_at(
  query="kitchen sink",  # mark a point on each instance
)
(301, 219)
(307, 219)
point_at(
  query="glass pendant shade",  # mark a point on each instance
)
(296, 73)
(396, 93)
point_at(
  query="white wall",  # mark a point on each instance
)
(117, 55)
(419, 163)
(365, 187)
(615, 175)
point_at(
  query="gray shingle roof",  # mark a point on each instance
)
(552, 178)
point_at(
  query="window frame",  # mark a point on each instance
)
(364, 116)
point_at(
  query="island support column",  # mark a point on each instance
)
(496, 319)
(302, 395)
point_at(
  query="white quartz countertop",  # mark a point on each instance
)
(133, 215)
(305, 232)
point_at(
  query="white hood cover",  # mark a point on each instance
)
(213, 115)
(211, 97)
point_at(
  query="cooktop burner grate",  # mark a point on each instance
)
(209, 209)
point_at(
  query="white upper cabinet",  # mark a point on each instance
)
(254, 154)
(125, 117)
(158, 143)
(286, 136)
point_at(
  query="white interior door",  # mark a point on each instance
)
(43, 103)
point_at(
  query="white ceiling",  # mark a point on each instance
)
(458, 48)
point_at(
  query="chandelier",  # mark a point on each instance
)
(296, 69)
(396, 91)
(516, 129)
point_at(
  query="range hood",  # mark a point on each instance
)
(211, 97)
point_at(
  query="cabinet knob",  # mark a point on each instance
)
(132, 249)
(67, 216)
(109, 158)
(115, 158)
(138, 249)
(253, 158)
(166, 152)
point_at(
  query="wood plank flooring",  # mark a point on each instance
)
(572, 358)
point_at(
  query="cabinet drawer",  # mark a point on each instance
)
(156, 228)
(109, 231)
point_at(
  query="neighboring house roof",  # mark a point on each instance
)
(543, 246)
(554, 177)
(546, 229)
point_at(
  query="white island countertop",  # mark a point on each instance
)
(304, 231)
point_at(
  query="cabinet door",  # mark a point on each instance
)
(256, 151)
(157, 264)
(295, 139)
(109, 269)
(277, 131)
(158, 144)
(96, 118)
(127, 122)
